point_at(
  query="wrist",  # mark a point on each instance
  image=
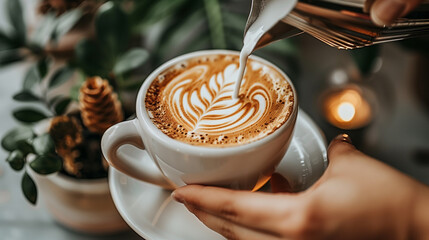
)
(420, 221)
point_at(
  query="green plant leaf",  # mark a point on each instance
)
(235, 41)
(93, 60)
(198, 43)
(28, 115)
(42, 67)
(15, 14)
(44, 144)
(234, 22)
(112, 28)
(61, 76)
(25, 147)
(32, 77)
(130, 60)
(11, 139)
(46, 164)
(214, 17)
(44, 30)
(139, 11)
(10, 56)
(25, 96)
(61, 106)
(146, 15)
(29, 188)
(16, 160)
(5, 42)
(173, 35)
(210, 24)
(66, 22)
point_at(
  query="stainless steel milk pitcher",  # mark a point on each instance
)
(340, 23)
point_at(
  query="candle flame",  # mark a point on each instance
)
(346, 111)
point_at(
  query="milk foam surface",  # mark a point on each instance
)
(193, 101)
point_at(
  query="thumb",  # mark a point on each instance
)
(385, 12)
(340, 152)
(341, 147)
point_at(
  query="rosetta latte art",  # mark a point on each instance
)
(208, 106)
(192, 102)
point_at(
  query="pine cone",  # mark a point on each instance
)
(99, 105)
(67, 135)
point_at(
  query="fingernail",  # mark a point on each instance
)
(385, 12)
(177, 197)
(344, 137)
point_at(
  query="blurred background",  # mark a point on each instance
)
(54, 52)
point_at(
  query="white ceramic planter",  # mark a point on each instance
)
(82, 205)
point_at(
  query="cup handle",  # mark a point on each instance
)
(143, 169)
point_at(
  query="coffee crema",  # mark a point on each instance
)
(193, 102)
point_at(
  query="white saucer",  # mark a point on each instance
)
(150, 211)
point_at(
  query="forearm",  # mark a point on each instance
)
(420, 229)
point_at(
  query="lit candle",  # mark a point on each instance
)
(347, 109)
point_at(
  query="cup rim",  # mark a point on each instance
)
(145, 121)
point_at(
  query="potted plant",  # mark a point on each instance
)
(65, 111)
(88, 60)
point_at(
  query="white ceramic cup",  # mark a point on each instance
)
(171, 163)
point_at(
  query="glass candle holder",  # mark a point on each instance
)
(346, 107)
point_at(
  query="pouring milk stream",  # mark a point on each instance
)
(272, 11)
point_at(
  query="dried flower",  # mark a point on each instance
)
(67, 135)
